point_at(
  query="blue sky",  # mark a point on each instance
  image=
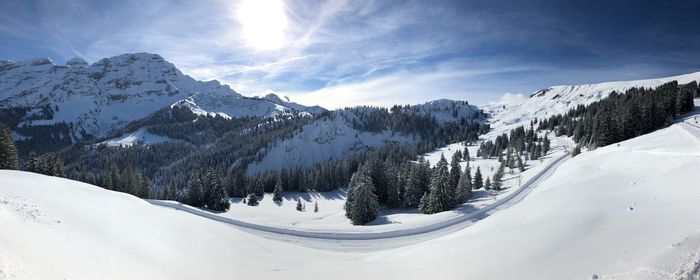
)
(378, 52)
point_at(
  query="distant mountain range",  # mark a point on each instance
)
(104, 96)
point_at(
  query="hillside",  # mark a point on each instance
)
(559, 99)
(95, 99)
(593, 203)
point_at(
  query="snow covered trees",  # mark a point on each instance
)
(251, 200)
(497, 177)
(623, 116)
(440, 197)
(8, 151)
(48, 164)
(478, 179)
(361, 205)
(217, 198)
(455, 171)
(464, 187)
(278, 193)
(195, 190)
(208, 191)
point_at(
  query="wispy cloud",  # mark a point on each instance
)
(341, 52)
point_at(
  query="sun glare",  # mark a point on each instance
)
(263, 23)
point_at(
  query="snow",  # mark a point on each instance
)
(139, 136)
(324, 140)
(559, 99)
(576, 224)
(334, 138)
(114, 91)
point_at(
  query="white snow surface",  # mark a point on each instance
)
(139, 136)
(114, 91)
(334, 138)
(331, 215)
(622, 212)
(323, 140)
(559, 99)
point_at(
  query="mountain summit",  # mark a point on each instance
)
(101, 97)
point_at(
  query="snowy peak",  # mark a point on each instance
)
(115, 91)
(274, 98)
(77, 62)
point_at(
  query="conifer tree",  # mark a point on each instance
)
(465, 154)
(487, 184)
(278, 193)
(413, 191)
(464, 188)
(393, 189)
(424, 204)
(478, 180)
(455, 172)
(195, 190)
(439, 198)
(576, 151)
(363, 206)
(300, 207)
(252, 199)
(8, 151)
(521, 166)
(218, 199)
(497, 177)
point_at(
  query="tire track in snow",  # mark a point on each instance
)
(429, 230)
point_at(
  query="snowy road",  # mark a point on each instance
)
(378, 240)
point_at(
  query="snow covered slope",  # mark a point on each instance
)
(284, 101)
(559, 99)
(335, 137)
(114, 91)
(622, 212)
(323, 140)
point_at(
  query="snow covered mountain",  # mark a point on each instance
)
(112, 92)
(594, 218)
(559, 99)
(337, 136)
(284, 101)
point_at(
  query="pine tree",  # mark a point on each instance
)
(363, 206)
(464, 188)
(413, 191)
(195, 190)
(455, 172)
(33, 162)
(424, 204)
(300, 207)
(8, 151)
(478, 180)
(545, 145)
(521, 166)
(497, 177)
(252, 199)
(439, 198)
(218, 199)
(487, 185)
(393, 189)
(577, 150)
(465, 154)
(278, 193)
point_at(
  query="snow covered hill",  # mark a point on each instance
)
(335, 137)
(559, 99)
(623, 211)
(284, 101)
(114, 91)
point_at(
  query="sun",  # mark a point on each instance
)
(263, 23)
